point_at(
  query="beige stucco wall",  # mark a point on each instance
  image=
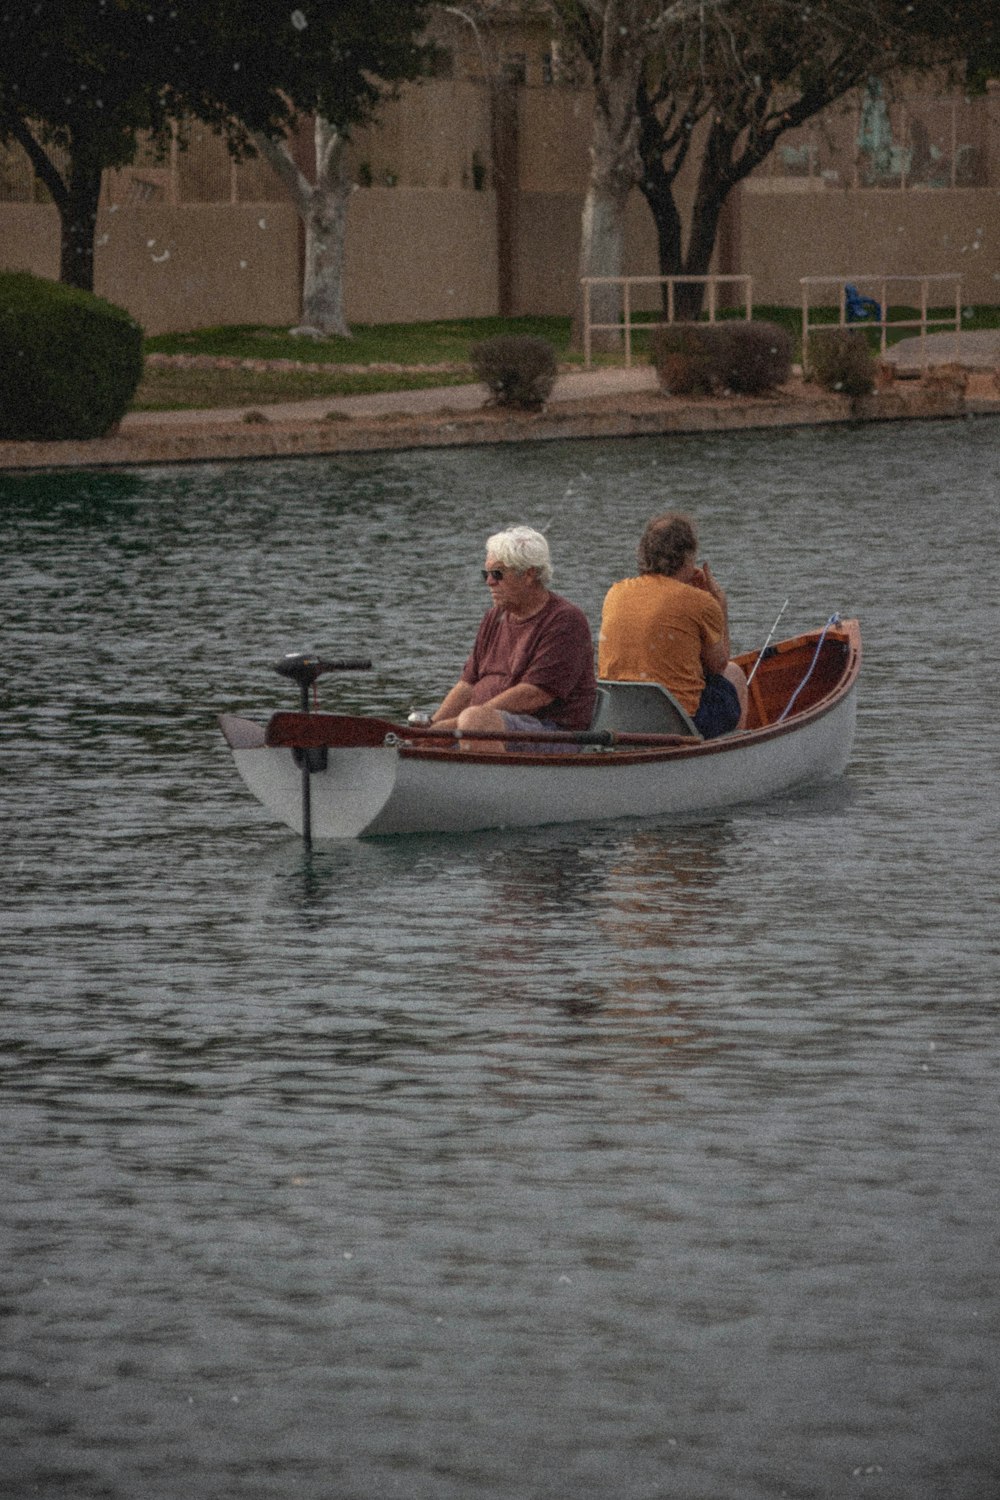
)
(174, 268)
(431, 252)
(784, 235)
(553, 140)
(411, 254)
(429, 136)
(548, 249)
(415, 254)
(29, 238)
(199, 264)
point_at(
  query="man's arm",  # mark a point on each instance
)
(715, 658)
(455, 700)
(522, 698)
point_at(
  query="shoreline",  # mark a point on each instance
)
(611, 404)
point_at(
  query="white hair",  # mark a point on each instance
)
(521, 547)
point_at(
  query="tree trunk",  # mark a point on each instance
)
(322, 206)
(76, 198)
(615, 168)
(657, 189)
(78, 225)
(705, 216)
(715, 181)
(602, 253)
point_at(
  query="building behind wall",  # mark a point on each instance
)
(469, 196)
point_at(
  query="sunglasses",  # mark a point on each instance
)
(497, 574)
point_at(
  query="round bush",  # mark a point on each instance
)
(839, 361)
(754, 357)
(518, 370)
(69, 361)
(685, 357)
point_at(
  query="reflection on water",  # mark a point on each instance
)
(602, 1163)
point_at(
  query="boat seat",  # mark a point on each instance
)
(640, 708)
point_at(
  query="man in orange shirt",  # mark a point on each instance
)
(671, 625)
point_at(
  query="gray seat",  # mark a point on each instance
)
(640, 708)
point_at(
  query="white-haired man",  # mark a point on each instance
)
(532, 666)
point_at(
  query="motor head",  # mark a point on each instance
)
(304, 667)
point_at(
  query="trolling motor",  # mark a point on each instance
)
(304, 667)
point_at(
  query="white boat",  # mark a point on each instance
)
(339, 776)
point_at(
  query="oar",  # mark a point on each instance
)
(344, 731)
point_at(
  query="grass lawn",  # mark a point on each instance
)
(167, 388)
(173, 388)
(445, 343)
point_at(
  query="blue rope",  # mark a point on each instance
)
(833, 620)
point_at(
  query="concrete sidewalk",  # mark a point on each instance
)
(974, 351)
(575, 385)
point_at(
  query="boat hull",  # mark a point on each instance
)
(405, 788)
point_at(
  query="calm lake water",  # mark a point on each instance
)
(617, 1162)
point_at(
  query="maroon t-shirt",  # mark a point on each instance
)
(552, 650)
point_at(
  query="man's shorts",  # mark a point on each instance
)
(538, 747)
(719, 709)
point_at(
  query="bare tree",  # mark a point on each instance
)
(736, 80)
(714, 84)
(322, 205)
(617, 39)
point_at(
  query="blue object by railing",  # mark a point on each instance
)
(859, 308)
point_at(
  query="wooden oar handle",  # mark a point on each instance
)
(304, 731)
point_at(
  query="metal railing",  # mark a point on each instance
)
(881, 284)
(626, 323)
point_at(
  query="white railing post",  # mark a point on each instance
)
(712, 283)
(586, 323)
(884, 319)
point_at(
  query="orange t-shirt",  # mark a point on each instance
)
(653, 629)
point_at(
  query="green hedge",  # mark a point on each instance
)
(69, 362)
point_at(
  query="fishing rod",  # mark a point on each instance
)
(763, 648)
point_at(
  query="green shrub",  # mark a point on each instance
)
(685, 358)
(69, 362)
(839, 361)
(752, 357)
(518, 370)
